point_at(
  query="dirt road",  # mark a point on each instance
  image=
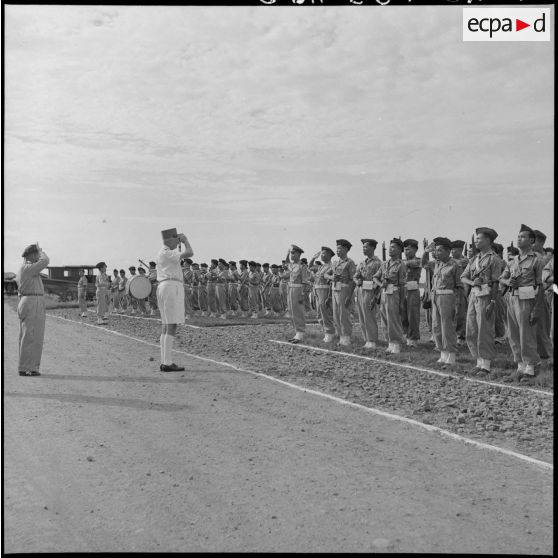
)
(104, 453)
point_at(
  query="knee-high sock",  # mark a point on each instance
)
(163, 339)
(168, 348)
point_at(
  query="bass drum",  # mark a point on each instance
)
(139, 287)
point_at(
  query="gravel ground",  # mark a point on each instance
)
(517, 419)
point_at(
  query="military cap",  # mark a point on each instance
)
(189, 261)
(443, 241)
(539, 235)
(214, 261)
(343, 242)
(327, 249)
(101, 264)
(273, 266)
(133, 267)
(410, 242)
(31, 249)
(243, 262)
(296, 249)
(141, 270)
(457, 244)
(265, 265)
(370, 241)
(525, 228)
(318, 262)
(397, 241)
(490, 233)
(232, 262)
(195, 265)
(252, 263)
(223, 261)
(203, 265)
(258, 264)
(152, 264)
(122, 271)
(169, 233)
(549, 250)
(512, 251)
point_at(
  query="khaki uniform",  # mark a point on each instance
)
(299, 278)
(544, 346)
(152, 276)
(82, 293)
(324, 302)
(395, 273)
(275, 299)
(195, 291)
(31, 314)
(368, 318)
(101, 282)
(548, 280)
(202, 291)
(265, 289)
(188, 276)
(480, 329)
(446, 280)
(221, 288)
(254, 291)
(122, 297)
(114, 293)
(500, 306)
(284, 287)
(522, 335)
(233, 278)
(211, 290)
(461, 302)
(410, 316)
(243, 290)
(341, 294)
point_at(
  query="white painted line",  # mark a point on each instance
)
(410, 367)
(144, 318)
(429, 427)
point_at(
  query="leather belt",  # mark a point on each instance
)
(295, 285)
(444, 291)
(170, 279)
(322, 287)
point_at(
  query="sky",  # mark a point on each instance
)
(252, 128)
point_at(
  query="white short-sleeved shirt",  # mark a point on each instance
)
(168, 264)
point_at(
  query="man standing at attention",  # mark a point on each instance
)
(322, 287)
(461, 300)
(391, 278)
(410, 317)
(367, 312)
(482, 274)
(170, 293)
(341, 275)
(82, 292)
(31, 310)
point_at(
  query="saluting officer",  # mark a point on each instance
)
(341, 275)
(364, 274)
(446, 282)
(299, 277)
(410, 317)
(391, 277)
(481, 274)
(322, 288)
(31, 310)
(523, 276)
(461, 302)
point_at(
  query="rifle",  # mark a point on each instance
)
(426, 301)
(384, 250)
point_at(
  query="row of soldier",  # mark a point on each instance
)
(296, 287)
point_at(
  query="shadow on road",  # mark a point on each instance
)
(110, 401)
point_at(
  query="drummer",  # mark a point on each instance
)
(142, 302)
(132, 302)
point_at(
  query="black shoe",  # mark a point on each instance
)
(171, 368)
(25, 373)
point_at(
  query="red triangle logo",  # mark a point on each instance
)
(519, 25)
